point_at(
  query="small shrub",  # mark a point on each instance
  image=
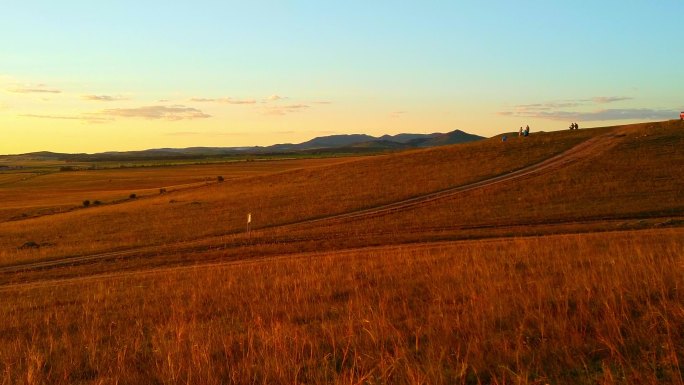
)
(86, 203)
(220, 178)
(132, 196)
(97, 203)
(29, 245)
(162, 191)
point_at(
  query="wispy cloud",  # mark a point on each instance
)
(223, 100)
(598, 115)
(548, 106)
(104, 98)
(274, 98)
(171, 113)
(285, 109)
(84, 117)
(610, 99)
(37, 89)
(610, 114)
(63, 117)
(571, 110)
(205, 134)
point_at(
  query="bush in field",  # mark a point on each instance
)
(86, 203)
(132, 196)
(220, 178)
(97, 203)
(162, 191)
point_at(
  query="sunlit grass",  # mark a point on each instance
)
(581, 309)
(277, 198)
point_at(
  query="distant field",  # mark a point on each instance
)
(277, 198)
(24, 194)
(552, 259)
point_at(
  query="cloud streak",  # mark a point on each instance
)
(570, 110)
(205, 134)
(285, 109)
(274, 98)
(172, 113)
(597, 115)
(610, 99)
(39, 89)
(103, 98)
(85, 117)
(223, 100)
(555, 105)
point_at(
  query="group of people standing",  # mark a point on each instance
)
(524, 132)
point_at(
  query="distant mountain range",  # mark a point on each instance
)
(332, 144)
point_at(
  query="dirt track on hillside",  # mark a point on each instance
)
(584, 150)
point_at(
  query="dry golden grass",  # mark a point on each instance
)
(25, 194)
(571, 309)
(639, 178)
(278, 198)
(287, 305)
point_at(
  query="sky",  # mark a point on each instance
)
(92, 76)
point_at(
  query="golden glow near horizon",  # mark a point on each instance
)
(80, 77)
(52, 119)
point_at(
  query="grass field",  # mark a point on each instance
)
(25, 194)
(528, 261)
(579, 309)
(276, 198)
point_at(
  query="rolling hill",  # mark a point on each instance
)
(331, 143)
(555, 258)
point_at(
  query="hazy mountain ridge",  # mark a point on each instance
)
(332, 143)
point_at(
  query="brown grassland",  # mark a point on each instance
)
(28, 194)
(566, 274)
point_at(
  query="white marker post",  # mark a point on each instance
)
(249, 221)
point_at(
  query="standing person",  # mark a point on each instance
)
(520, 132)
(527, 130)
(576, 126)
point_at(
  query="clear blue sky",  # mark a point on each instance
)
(83, 76)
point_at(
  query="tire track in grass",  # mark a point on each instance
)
(584, 150)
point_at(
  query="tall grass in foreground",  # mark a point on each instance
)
(579, 309)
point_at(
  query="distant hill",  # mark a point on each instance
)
(331, 143)
(453, 137)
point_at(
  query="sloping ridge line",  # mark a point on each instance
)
(589, 147)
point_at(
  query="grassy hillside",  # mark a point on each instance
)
(636, 179)
(568, 273)
(278, 198)
(608, 185)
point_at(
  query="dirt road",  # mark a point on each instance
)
(584, 150)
